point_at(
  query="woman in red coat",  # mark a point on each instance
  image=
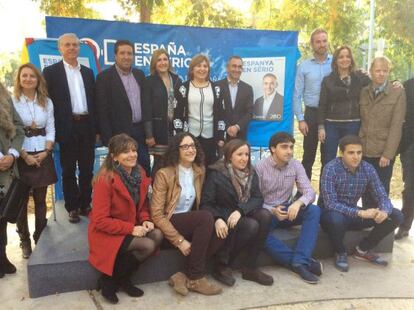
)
(120, 233)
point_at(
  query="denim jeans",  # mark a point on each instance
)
(407, 162)
(301, 254)
(334, 132)
(336, 224)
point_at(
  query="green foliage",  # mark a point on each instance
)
(68, 8)
(9, 62)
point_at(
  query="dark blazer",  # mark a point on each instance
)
(339, 101)
(114, 109)
(219, 195)
(181, 111)
(241, 114)
(275, 110)
(58, 88)
(155, 108)
(408, 128)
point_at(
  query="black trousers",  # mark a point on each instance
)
(78, 152)
(209, 147)
(138, 134)
(310, 141)
(3, 236)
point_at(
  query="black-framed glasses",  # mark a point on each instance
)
(185, 147)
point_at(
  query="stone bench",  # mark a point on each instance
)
(59, 262)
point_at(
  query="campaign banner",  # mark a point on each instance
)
(45, 52)
(271, 72)
(278, 48)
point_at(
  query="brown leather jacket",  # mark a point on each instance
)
(382, 119)
(165, 196)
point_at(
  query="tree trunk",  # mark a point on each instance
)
(145, 13)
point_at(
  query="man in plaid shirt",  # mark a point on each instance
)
(344, 180)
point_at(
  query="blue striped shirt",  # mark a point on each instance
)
(309, 76)
(341, 189)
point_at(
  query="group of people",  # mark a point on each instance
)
(205, 205)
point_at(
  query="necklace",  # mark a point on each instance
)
(32, 113)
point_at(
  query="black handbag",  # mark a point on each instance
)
(12, 203)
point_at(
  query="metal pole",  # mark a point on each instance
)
(371, 31)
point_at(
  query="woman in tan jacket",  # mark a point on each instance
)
(382, 108)
(174, 210)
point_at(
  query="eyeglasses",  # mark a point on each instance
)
(185, 147)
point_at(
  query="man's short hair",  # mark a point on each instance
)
(380, 59)
(234, 57)
(69, 34)
(280, 137)
(317, 31)
(347, 140)
(269, 75)
(123, 42)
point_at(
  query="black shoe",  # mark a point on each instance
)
(108, 289)
(257, 276)
(305, 274)
(224, 275)
(315, 267)
(74, 216)
(131, 289)
(85, 211)
(1, 273)
(26, 248)
(6, 267)
(401, 233)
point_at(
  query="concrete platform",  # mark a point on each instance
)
(60, 257)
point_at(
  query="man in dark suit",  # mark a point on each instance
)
(119, 96)
(71, 88)
(270, 105)
(407, 163)
(238, 99)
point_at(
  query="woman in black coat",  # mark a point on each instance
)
(338, 113)
(232, 194)
(200, 108)
(159, 104)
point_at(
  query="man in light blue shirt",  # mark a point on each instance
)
(308, 82)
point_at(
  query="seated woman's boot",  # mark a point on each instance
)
(203, 286)
(130, 289)
(108, 288)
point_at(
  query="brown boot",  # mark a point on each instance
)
(178, 283)
(203, 286)
(257, 276)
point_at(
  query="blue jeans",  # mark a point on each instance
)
(334, 132)
(281, 253)
(336, 224)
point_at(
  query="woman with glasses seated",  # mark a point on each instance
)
(175, 211)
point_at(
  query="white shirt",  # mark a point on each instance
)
(267, 102)
(30, 111)
(200, 111)
(76, 89)
(187, 197)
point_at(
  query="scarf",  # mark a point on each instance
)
(242, 182)
(6, 119)
(131, 181)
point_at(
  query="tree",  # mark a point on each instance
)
(9, 62)
(69, 8)
(144, 7)
(305, 15)
(395, 23)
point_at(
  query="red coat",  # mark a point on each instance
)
(113, 216)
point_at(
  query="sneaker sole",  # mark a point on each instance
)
(370, 261)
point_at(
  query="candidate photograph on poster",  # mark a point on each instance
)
(267, 77)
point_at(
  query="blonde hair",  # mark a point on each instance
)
(381, 59)
(41, 88)
(196, 60)
(154, 59)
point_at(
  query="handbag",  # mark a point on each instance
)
(12, 203)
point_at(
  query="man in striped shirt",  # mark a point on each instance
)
(344, 180)
(278, 174)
